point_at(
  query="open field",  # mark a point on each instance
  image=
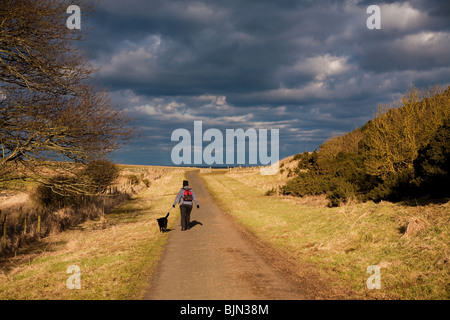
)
(408, 243)
(116, 254)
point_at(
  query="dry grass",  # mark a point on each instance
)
(408, 243)
(252, 177)
(14, 201)
(22, 209)
(116, 254)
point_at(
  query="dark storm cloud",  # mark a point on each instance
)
(309, 68)
(232, 46)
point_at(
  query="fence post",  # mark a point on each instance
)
(4, 231)
(39, 225)
(25, 225)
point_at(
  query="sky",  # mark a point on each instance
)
(311, 69)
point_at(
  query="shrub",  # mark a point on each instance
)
(341, 192)
(270, 192)
(146, 182)
(65, 191)
(330, 149)
(395, 187)
(307, 183)
(307, 160)
(432, 165)
(133, 179)
(100, 174)
(59, 192)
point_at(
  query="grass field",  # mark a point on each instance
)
(408, 243)
(116, 255)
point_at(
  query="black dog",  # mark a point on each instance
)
(162, 222)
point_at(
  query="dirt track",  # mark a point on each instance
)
(213, 260)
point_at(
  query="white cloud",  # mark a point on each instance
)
(402, 16)
(320, 67)
(131, 60)
(434, 44)
(221, 100)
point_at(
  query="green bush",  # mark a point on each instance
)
(432, 165)
(307, 183)
(307, 160)
(341, 192)
(395, 187)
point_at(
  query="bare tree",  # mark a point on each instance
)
(49, 109)
(37, 50)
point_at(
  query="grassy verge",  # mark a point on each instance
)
(408, 243)
(116, 255)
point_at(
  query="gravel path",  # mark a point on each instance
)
(214, 261)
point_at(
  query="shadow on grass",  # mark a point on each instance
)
(423, 201)
(126, 214)
(29, 253)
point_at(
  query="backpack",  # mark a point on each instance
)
(187, 195)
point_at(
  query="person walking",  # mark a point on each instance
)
(185, 197)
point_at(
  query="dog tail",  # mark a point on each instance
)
(167, 214)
